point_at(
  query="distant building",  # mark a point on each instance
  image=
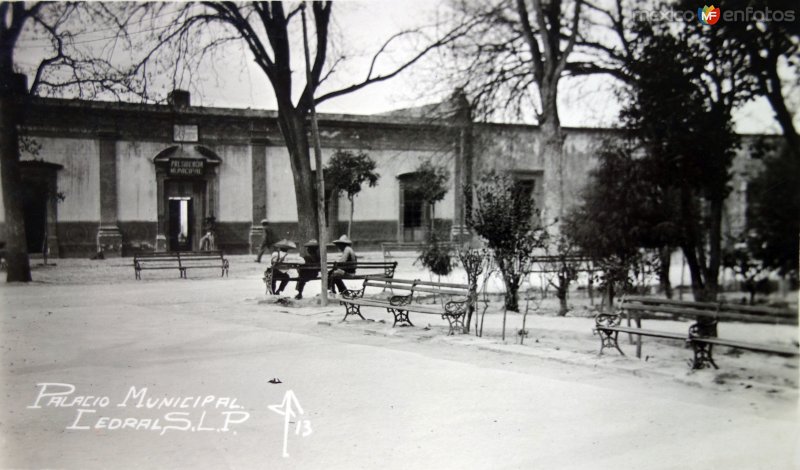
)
(124, 178)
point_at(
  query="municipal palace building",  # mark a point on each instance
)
(125, 178)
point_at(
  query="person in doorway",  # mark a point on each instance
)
(281, 273)
(344, 265)
(267, 242)
(207, 243)
(311, 269)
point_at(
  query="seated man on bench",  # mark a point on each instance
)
(348, 256)
(307, 274)
(279, 256)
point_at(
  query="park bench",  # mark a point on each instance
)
(701, 335)
(364, 270)
(180, 260)
(389, 248)
(454, 310)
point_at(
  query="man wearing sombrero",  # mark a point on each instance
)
(278, 256)
(348, 256)
(306, 274)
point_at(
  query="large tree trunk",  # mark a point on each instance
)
(512, 292)
(664, 257)
(693, 244)
(704, 283)
(553, 153)
(11, 108)
(294, 128)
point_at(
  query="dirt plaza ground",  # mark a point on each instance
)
(192, 362)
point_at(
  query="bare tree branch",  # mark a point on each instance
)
(370, 79)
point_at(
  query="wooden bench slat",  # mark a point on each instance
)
(386, 304)
(441, 291)
(367, 302)
(774, 348)
(711, 306)
(644, 332)
(389, 286)
(691, 312)
(443, 284)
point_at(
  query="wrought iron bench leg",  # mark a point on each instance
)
(352, 309)
(608, 339)
(703, 355)
(400, 316)
(268, 281)
(456, 321)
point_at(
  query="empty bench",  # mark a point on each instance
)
(400, 305)
(363, 270)
(180, 260)
(701, 335)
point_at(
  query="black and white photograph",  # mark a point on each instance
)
(409, 234)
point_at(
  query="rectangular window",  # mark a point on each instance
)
(530, 183)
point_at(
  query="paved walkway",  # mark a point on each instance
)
(369, 401)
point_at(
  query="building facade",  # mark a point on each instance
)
(124, 178)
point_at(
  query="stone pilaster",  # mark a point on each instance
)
(161, 231)
(463, 165)
(258, 154)
(109, 237)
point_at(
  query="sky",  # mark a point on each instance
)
(231, 79)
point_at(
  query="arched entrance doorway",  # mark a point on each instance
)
(188, 194)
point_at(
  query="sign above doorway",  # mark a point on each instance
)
(186, 167)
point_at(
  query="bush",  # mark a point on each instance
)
(436, 258)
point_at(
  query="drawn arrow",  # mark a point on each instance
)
(286, 410)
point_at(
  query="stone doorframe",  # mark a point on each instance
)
(210, 175)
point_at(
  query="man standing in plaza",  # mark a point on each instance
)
(268, 240)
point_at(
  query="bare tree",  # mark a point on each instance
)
(512, 63)
(58, 29)
(268, 31)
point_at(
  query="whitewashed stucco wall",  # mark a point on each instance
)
(79, 180)
(136, 180)
(235, 183)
